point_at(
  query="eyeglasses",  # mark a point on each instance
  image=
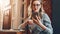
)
(36, 4)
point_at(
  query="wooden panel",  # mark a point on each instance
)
(1, 18)
(47, 5)
(6, 20)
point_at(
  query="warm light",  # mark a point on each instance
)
(4, 4)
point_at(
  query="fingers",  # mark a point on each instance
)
(30, 22)
(37, 18)
(34, 20)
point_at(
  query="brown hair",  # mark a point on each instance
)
(41, 11)
(35, 0)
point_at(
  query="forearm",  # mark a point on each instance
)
(41, 25)
(46, 28)
(23, 25)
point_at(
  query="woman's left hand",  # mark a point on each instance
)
(37, 20)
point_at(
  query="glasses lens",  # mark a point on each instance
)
(36, 4)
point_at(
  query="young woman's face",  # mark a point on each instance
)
(36, 6)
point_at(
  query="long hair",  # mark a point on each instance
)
(41, 11)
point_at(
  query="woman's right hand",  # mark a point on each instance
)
(30, 22)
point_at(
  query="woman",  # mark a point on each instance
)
(39, 23)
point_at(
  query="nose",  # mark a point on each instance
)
(35, 7)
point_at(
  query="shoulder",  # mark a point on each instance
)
(45, 17)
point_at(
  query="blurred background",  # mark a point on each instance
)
(11, 12)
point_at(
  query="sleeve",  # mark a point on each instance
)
(47, 23)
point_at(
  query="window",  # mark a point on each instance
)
(11, 14)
